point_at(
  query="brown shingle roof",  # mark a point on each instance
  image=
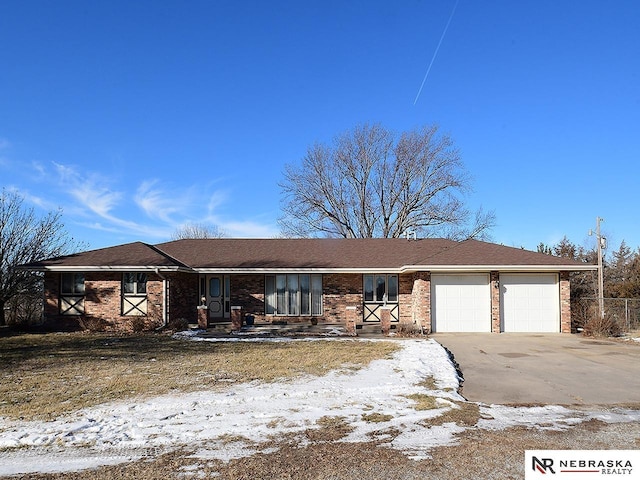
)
(323, 254)
(135, 254)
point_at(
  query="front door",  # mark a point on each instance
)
(217, 297)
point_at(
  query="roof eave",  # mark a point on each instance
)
(105, 268)
(496, 268)
(403, 269)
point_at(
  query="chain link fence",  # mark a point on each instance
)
(624, 313)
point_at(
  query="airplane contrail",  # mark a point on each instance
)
(436, 52)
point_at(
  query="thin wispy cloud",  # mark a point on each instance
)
(149, 209)
(89, 190)
(126, 228)
(166, 203)
(249, 229)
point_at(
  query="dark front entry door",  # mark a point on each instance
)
(217, 296)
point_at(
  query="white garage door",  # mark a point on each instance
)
(530, 302)
(460, 303)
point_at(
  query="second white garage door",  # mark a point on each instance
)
(530, 302)
(460, 303)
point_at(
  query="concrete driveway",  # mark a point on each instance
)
(558, 369)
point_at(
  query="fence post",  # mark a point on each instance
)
(626, 314)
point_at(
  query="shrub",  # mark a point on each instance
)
(93, 324)
(408, 329)
(178, 324)
(596, 326)
(139, 324)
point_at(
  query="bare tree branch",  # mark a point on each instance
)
(24, 238)
(197, 230)
(371, 183)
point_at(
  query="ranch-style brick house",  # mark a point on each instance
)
(439, 285)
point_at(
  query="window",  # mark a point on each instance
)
(380, 288)
(72, 293)
(72, 284)
(135, 283)
(134, 293)
(295, 295)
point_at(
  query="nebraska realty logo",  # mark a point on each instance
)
(582, 464)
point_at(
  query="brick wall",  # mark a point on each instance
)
(247, 291)
(494, 279)
(183, 296)
(103, 304)
(103, 300)
(566, 325)
(341, 291)
(420, 305)
(405, 298)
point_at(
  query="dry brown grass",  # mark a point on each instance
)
(376, 417)
(423, 402)
(464, 414)
(331, 429)
(46, 375)
(480, 454)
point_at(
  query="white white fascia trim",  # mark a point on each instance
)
(102, 268)
(497, 268)
(406, 269)
(267, 271)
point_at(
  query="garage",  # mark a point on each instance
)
(530, 302)
(460, 303)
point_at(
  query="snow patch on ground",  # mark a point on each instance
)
(236, 422)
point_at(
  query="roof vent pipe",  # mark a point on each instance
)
(410, 234)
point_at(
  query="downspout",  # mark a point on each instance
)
(165, 317)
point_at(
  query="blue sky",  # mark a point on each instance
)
(137, 117)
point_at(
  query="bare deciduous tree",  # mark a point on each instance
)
(198, 230)
(371, 183)
(25, 238)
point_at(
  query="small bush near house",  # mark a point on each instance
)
(408, 330)
(597, 326)
(178, 324)
(24, 310)
(93, 324)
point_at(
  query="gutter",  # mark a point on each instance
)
(165, 285)
(403, 269)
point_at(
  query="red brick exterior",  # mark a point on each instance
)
(496, 326)
(565, 304)
(103, 300)
(103, 304)
(351, 319)
(341, 291)
(183, 289)
(385, 320)
(247, 291)
(420, 304)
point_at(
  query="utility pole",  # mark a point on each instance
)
(602, 244)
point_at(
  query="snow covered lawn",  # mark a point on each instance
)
(383, 402)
